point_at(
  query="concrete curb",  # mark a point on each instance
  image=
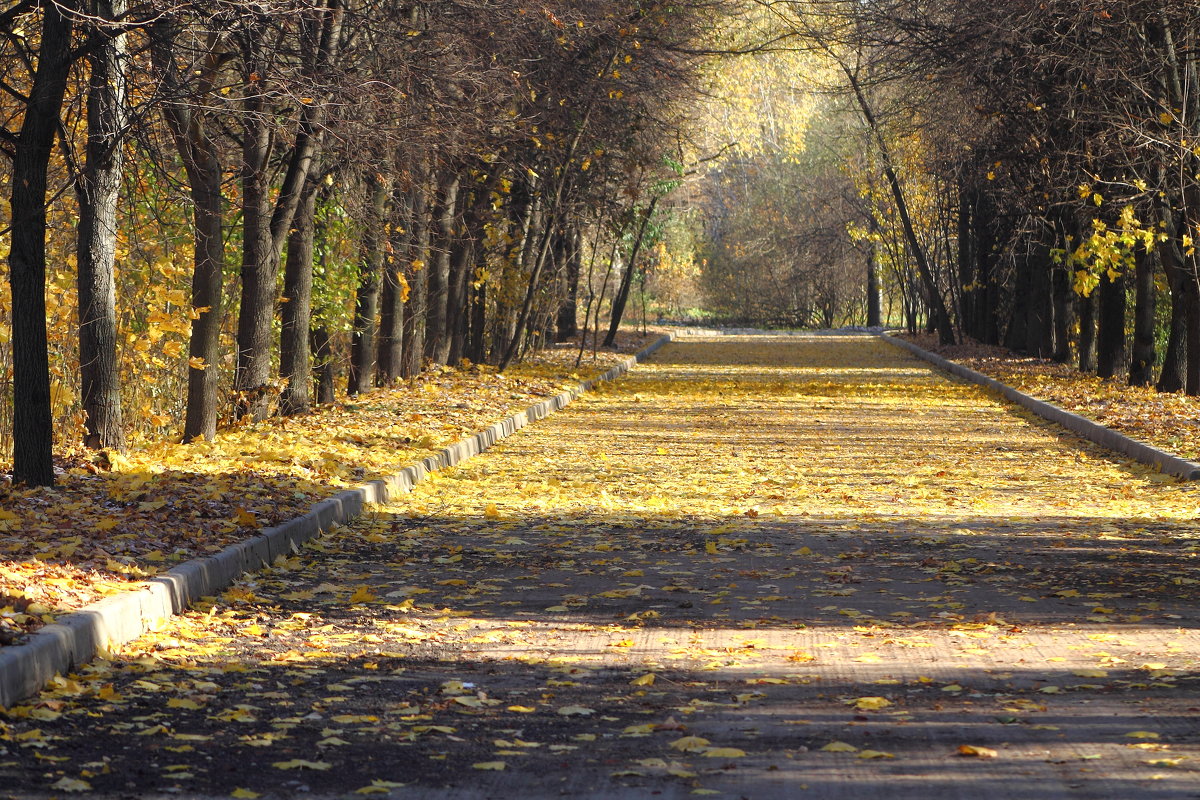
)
(1081, 426)
(76, 638)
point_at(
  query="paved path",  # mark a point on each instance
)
(761, 568)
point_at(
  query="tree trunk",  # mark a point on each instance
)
(1141, 366)
(1110, 338)
(33, 426)
(1087, 333)
(259, 266)
(416, 270)
(1191, 297)
(99, 189)
(1174, 367)
(457, 312)
(265, 225)
(622, 296)
(966, 263)
(477, 341)
(395, 294)
(567, 322)
(937, 305)
(437, 335)
(1061, 287)
(874, 290)
(322, 348)
(1046, 327)
(295, 353)
(186, 120)
(1016, 335)
(366, 298)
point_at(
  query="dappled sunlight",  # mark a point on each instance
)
(112, 522)
(676, 595)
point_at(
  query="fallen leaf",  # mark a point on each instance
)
(576, 711)
(71, 785)
(976, 751)
(871, 703)
(722, 752)
(871, 754)
(689, 744)
(300, 763)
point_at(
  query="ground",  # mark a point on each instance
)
(762, 567)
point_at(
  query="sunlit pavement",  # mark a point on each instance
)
(761, 567)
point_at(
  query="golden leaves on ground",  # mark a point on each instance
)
(100, 532)
(908, 578)
(1164, 420)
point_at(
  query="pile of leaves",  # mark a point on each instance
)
(1167, 421)
(117, 519)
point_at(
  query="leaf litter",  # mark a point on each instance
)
(870, 604)
(114, 520)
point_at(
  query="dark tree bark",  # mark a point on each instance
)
(1041, 319)
(259, 264)
(1191, 302)
(187, 121)
(366, 298)
(33, 427)
(1087, 333)
(1016, 335)
(1141, 366)
(265, 224)
(1110, 337)
(437, 334)
(393, 297)
(567, 322)
(1061, 287)
(622, 296)
(295, 353)
(457, 312)
(477, 339)
(966, 264)
(933, 296)
(324, 372)
(98, 189)
(1174, 368)
(416, 271)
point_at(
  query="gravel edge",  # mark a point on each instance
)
(1081, 426)
(78, 637)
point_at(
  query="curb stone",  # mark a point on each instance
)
(1081, 426)
(76, 638)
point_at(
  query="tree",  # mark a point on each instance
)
(33, 430)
